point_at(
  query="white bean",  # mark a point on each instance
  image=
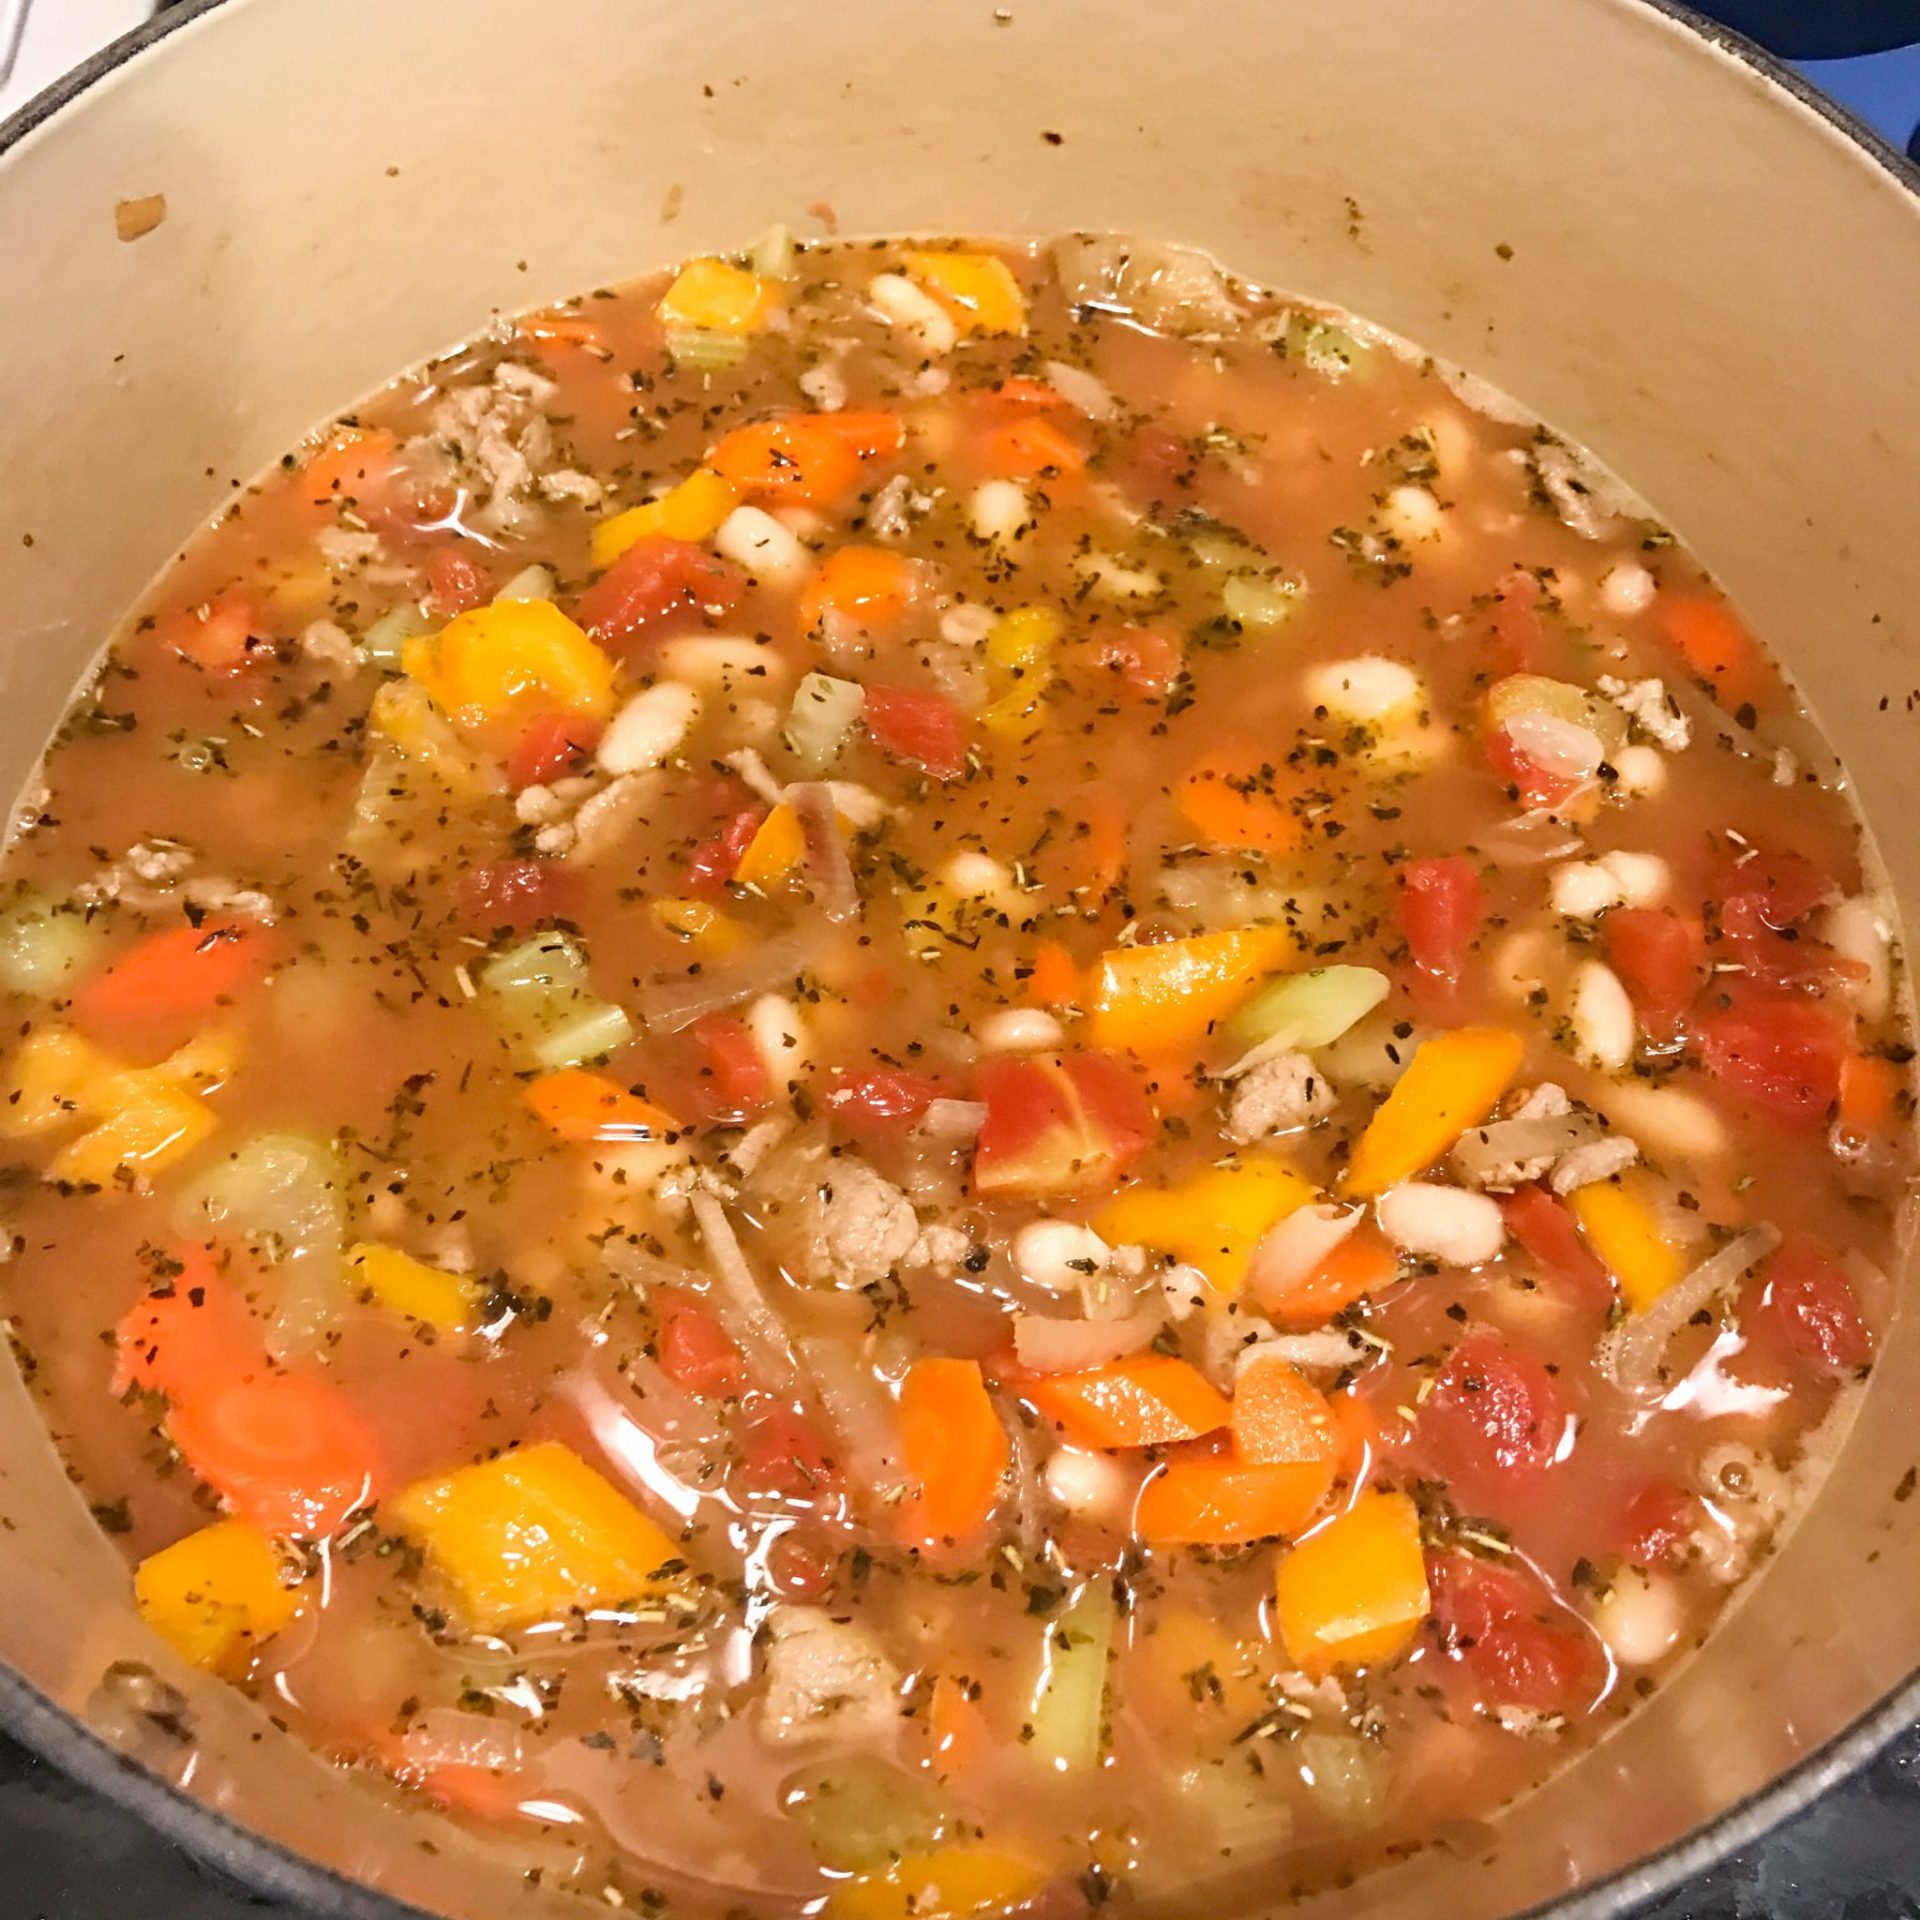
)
(649, 728)
(1449, 1224)
(1626, 589)
(1602, 1015)
(1640, 1617)
(1020, 1030)
(757, 541)
(1060, 1254)
(1365, 690)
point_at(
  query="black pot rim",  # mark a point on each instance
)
(267, 1868)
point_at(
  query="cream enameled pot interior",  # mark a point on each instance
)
(1663, 254)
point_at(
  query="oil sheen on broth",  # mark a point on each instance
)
(941, 1077)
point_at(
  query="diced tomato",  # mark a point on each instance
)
(694, 1349)
(1145, 660)
(455, 583)
(1809, 1310)
(1783, 1055)
(1654, 1524)
(554, 744)
(1659, 957)
(885, 1102)
(514, 895)
(1058, 1125)
(919, 726)
(1551, 1237)
(1536, 785)
(180, 973)
(734, 1068)
(1516, 1643)
(712, 863)
(1519, 639)
(783, 1453)
(226, 634)
(658, 585)
(1493, 1423)
(1764, 900)
(1439, 908)
(1783, 887)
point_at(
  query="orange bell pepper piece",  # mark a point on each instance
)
(1150, 1400)
(1452, 1085)
(956, 1451)
(1150, 998)
(1356, 1591)
(580, 1105)
(809, 458)
(1052, 980)
(870, 585)
(1236, 798)
(1220, 1500)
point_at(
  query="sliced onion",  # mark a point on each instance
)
(744, 1308)
(1072, 1346)
(1503, 1143)
(1556, 745)
(1326, 1351)
(446, 1737)
(954, 1120)
(859, 1413)
(1632, 1355)
(835, 892)
(1082, 390)
(668, 1006)
(1293, 1250)
(1530, 839)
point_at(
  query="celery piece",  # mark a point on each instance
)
(861, 1811)
(824, 712)
(43, 943)
(1069, 1703)
(1345, 1775)
(547, 964)
(384, 641)
(1310, 1009)
(589, 1030)
(772, 254)
(1259, 599)
(703, 350)
(530, 583)
(1324, 348)
(280, 1192)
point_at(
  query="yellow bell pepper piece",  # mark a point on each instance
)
(953, 1882)
(978, 290)
(494, 669)
(1356, 1591)
(691, 511)
(1452, 1085)
(150, 1122)
(702, 924)
(1174, 993)
(715, 297)
(532, 1534)
(1212, 1221)
(404, 1285)
(1019, 653)
(404, 716)
(54, 1072)
(1625, 1232)
(214, 1596)
(776, 850)
(207, 1061)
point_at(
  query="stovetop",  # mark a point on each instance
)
(1855, 1855)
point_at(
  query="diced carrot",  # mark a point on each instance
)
(1356, 1591)
(955, 1449)
(1153, 998)
(1020, 392)
(1150, 1400)
(1361, 1443)
(1103, 844)
(1452, 1085)
(353, 461)
(868, 585)
(1279, 1419)
(581, 1105)
(172, 975)
(1715, 645)
(1869, 1096)
(957, 1732)
(224, 635)
(189, 1339)
(1203, 1499)
(1053, 979)
(1624, 1230)
(1233, 797)
(810, 458)
(777, 849)
(1361, 1264)
(288, 1452)
(1033, 448)
(561, 330)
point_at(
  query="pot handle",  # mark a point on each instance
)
(13, 28)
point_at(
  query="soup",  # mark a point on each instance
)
(932, 1080)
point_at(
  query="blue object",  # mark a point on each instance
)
(1883, 89)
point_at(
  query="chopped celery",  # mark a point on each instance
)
(824, 712)
(530, 583)
(861, 1811)
(383, 642)
(1221, 550)
(1259, 599)
(1323, 347)
(1345, 1775)
(544, 998)
(772, 254)
(1524, 695)
(1310, 1009)
(43, 943)
(703, 350)
(1069, 1703)
(594, 1029)
(280, 1192)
